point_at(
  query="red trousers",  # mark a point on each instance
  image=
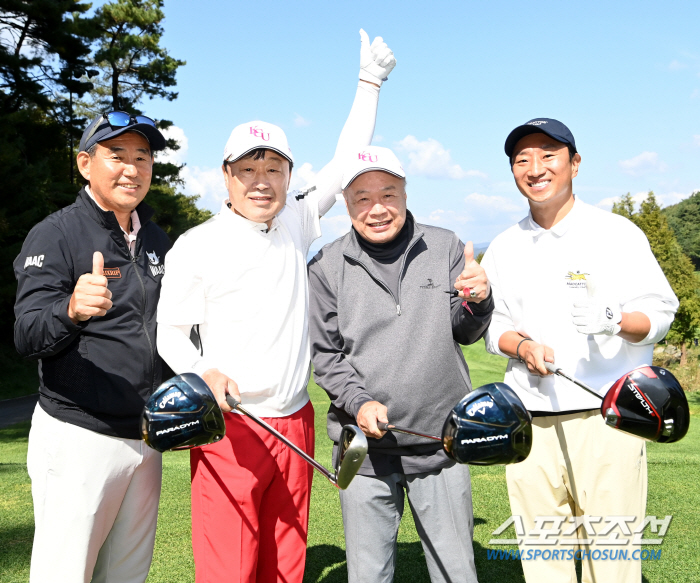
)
(250, 502)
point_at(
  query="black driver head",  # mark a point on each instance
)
(181, 414)
(489, 426)
(650, 403)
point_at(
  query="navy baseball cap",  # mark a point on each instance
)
(542, 125)
(114, 123)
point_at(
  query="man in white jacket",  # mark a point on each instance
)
(578, 286)
(237, 286)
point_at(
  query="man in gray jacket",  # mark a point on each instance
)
(385, 341)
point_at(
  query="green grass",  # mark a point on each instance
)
(674, 474)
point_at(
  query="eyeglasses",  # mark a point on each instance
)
(119, 119)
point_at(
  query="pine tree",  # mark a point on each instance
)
(129, 52)
(625, 207)
(134, 66)
(42, 42)
(676, 266)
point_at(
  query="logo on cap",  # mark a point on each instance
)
(536, 123)
(258, 133)
(366, 157)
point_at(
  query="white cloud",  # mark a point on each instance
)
(302, 176)
(206, 182)
(177, 156)
(336, 226)
(300, 122)
(495, 204)
(664, 199)
(430, 158)
(444, 218)
(642, 164)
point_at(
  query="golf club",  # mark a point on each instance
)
(397, 429)
(647, 402)
(488, 426)
(182, 413)
(352, 449)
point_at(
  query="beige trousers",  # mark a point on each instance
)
(95, 504)
(579, 467)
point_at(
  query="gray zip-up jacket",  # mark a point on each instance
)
(368, 345)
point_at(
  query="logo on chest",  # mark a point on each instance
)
(154, 264)
(576, 280)
(430, 285)
(112, 273)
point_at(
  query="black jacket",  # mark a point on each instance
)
(96, 374)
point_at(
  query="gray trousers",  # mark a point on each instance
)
(441, 502)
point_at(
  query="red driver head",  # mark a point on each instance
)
(650, 403)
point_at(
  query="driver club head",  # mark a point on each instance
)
(351, 452)
(488, 426)
(182, 413)
(648, 402)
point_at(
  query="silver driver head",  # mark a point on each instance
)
(352, 449)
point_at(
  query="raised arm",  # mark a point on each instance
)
(376, 62)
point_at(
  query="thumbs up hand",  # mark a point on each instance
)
(91, 297)
(596, 315)
(472, 284)
(376, 60)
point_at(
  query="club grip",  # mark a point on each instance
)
(383, 426)
(550, 367)
(232, 401)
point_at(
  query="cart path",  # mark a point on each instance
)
(17, 410)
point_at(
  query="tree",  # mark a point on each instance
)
(135, 66)
(41, 43)
(684, 219)
(130, 55)
(676, 266)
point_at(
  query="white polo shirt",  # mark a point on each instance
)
(536, 275)
(247, 289)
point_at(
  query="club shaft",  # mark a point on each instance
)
(553, 369)
(300, 452)
(388, 427)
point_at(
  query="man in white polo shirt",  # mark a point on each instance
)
(578, 286)
(237, 286)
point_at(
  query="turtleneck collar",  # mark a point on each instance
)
(391, 250)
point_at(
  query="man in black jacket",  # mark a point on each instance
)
(88, 284)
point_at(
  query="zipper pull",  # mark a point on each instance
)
(398, 310)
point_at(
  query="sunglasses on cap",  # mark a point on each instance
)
(120, 119)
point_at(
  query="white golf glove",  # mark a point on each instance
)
(595, 315)
(376, 60)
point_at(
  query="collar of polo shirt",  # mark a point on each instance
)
(227, 211)
(560, 228)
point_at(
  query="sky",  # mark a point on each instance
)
(623, 76)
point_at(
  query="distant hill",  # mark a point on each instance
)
(481, 247)
(684, 219)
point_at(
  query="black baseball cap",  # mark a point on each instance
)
(542, 125)
(102, 128)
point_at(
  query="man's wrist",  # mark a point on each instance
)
(517, 350)
(378, 85)
(355, 406)
(369, 78)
